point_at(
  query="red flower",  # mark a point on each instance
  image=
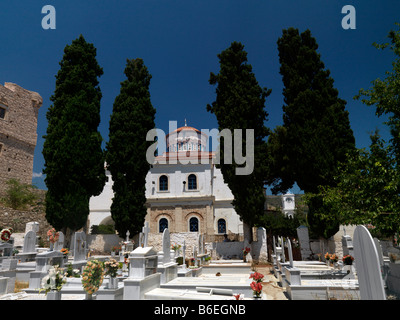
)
(256, 286)
(256, 276)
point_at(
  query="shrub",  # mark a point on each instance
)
(19, 195)
(102, 229)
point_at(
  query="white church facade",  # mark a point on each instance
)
(185, 191)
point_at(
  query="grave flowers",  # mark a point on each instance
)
(92, 277)
(257, 288)
(53, 235)
(348, 260)
(256, 285)
(112, 267)
(52, 283)
(5, 234)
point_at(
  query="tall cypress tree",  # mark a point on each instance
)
(133, 116)
(239, 104)
(74, 159)
(318, 134)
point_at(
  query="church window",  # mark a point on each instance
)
(192, 182)
(194, 224)
(190, 146)
(221, 226)
(162, 224)
(2, 112)
(163, 183)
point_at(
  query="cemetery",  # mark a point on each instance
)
(366, 270)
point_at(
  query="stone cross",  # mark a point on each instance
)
(367, 265)
(146, 231)
(127, 236)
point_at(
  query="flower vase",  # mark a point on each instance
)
(89, 296)
(113, 283)
(257, 296)
(53, 295)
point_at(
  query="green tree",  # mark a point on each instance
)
(132, 117)
(74, 159)
(367, 190)
(318, 134)
(385, 94)
(240, 104)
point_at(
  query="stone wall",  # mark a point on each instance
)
(18, 133)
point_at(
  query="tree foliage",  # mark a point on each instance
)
(367, 190)
(316, 133)
(239, 104)
(132, 117)
(74, 159)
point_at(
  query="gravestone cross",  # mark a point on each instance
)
(367, 265)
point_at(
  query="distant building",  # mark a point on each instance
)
(185, 191)
(19, 110)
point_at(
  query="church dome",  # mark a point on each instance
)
(186, 138)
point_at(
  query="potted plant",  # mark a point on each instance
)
(112, 267)
(52, 283)
(92, 277)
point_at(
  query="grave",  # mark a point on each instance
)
(166, 266)
(142, 273)
(304, 241)
(80, 250)
(9, 270)
(29, 247)
(368, 266)
(43, 263)
(183, 271)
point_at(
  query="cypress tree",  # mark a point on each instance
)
(74, 159)
(318, 133)
(239, 104)
(132, 117)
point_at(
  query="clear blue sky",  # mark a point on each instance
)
(179, 42)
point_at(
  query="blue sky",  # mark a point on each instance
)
(179, 42)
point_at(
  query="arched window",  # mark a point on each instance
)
(194, 224)
(162, 224)
(221, 226)
(192, 182)
(163, 183)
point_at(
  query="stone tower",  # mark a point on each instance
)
(19, 110)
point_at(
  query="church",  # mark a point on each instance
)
(185, 191)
